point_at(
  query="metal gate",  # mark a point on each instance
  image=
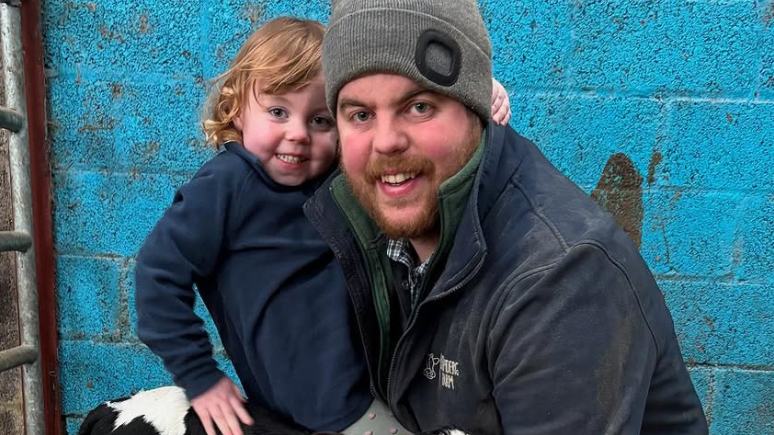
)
(13, 118)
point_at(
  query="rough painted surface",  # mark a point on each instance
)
(662, 111)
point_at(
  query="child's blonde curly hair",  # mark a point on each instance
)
(284, 55)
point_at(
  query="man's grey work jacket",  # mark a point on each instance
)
(545, 320)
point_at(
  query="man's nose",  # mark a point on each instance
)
(389, 137)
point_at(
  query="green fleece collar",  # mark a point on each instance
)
(454, 193)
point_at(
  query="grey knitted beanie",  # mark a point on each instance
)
(441, 44)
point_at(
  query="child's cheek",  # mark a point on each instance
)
(326, 146)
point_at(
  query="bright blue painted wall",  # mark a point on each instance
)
(664, 110)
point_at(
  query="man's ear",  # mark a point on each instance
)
(238, 121)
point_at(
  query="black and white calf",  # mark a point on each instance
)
(166, 411)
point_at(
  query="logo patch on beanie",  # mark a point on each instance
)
(438, 57)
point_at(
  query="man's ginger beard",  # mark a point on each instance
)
(427, 221)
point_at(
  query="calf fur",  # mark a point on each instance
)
(166, 411)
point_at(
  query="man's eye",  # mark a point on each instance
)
(421, 107)
(277, 112)
(361, 116)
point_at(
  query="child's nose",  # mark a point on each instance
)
(298, 131)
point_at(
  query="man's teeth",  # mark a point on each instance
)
(397, 178)
(288, 158)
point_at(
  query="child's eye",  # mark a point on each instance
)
(322, 122)
(278, 112)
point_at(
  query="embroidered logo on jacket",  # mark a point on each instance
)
(432, 361)
(449, 370)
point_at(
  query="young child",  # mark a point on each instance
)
(237, 233)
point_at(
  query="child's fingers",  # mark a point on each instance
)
(220, 422)
(497, 107)
(497, 90)
(501, 106)
(497, 102)
(207, 422)
(507, 117)
(230, 419)
(502, 114)
(241, 412)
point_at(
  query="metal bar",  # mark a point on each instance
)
(18, 147)
(14, 3)
(11, 119)
(14, 241)
(40, 171)
(16, 356)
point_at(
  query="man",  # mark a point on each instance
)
(491, 293)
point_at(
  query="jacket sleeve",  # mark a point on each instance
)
(183, 250)
(571, 352)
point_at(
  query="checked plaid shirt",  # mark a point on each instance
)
(399, 250)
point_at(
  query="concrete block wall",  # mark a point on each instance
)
(663, 111)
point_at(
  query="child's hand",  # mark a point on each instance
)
(501, 106)
(222, 403)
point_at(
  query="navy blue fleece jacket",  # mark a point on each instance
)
(271, 285)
